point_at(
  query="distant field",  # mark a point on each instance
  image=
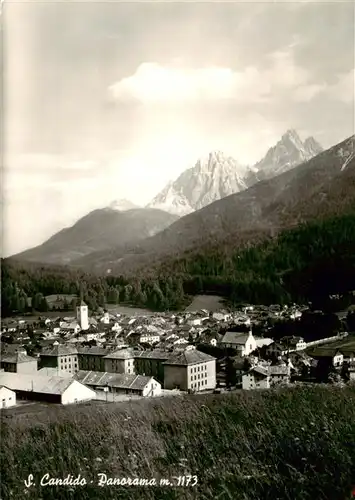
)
(210, 302)
(347, 344)
(127, 310)
(60, 297)
(49, 314)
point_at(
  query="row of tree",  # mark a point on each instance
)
(308, 263)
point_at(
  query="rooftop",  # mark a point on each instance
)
(17, 357)
(94, 351)
(116, 380)
(35, 383)
(59, 350)
(238, 338)
(189, 357)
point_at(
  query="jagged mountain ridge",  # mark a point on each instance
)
(217, 175)
(211, 179)
(322, 186)
(289, 152)
(99, 230)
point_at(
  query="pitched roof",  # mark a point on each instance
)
(120, 354)
(279, 370)
(154, 354)
(325, 352)
(59, 350)
(17, 357)
(260, 370)
(260, 342)
(189, 357)
(35, 383)
(94, 351)
(53, 372)
(238, 338)
(116, 380)
(5, 387)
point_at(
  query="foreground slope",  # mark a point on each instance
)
(99, 230)
(321, 187)
(289, 443)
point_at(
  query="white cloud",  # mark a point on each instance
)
(154, 83)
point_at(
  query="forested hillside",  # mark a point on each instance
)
(306, 263)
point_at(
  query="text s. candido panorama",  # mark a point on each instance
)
(104, 480)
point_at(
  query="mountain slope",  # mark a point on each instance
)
(101, 229)
(211, 179)
(324, 185)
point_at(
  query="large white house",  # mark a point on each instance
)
(244, 343)
(51, 389)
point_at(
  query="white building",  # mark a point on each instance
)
(52, 389)
(294, 343)
(244, 343)
(264, 377)
(82, 315)
(7, 397)
(148, 338)
(137, 385)
(190, 370)
(335, 357)
(105, 318)
(257, 378)
(276, 349)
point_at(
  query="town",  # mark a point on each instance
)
(115, 357)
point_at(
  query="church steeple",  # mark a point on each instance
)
(82, 315)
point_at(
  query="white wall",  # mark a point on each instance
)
(250, 345)
(250, 382)
(154, 386)
(76, 393)
(7, 397)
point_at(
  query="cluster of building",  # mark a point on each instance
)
(110, 356)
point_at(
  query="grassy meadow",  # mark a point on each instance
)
(288, 444)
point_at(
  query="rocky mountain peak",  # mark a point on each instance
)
(213, 177)
(312, 146)
(217, 175)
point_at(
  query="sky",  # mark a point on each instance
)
(110, 100)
